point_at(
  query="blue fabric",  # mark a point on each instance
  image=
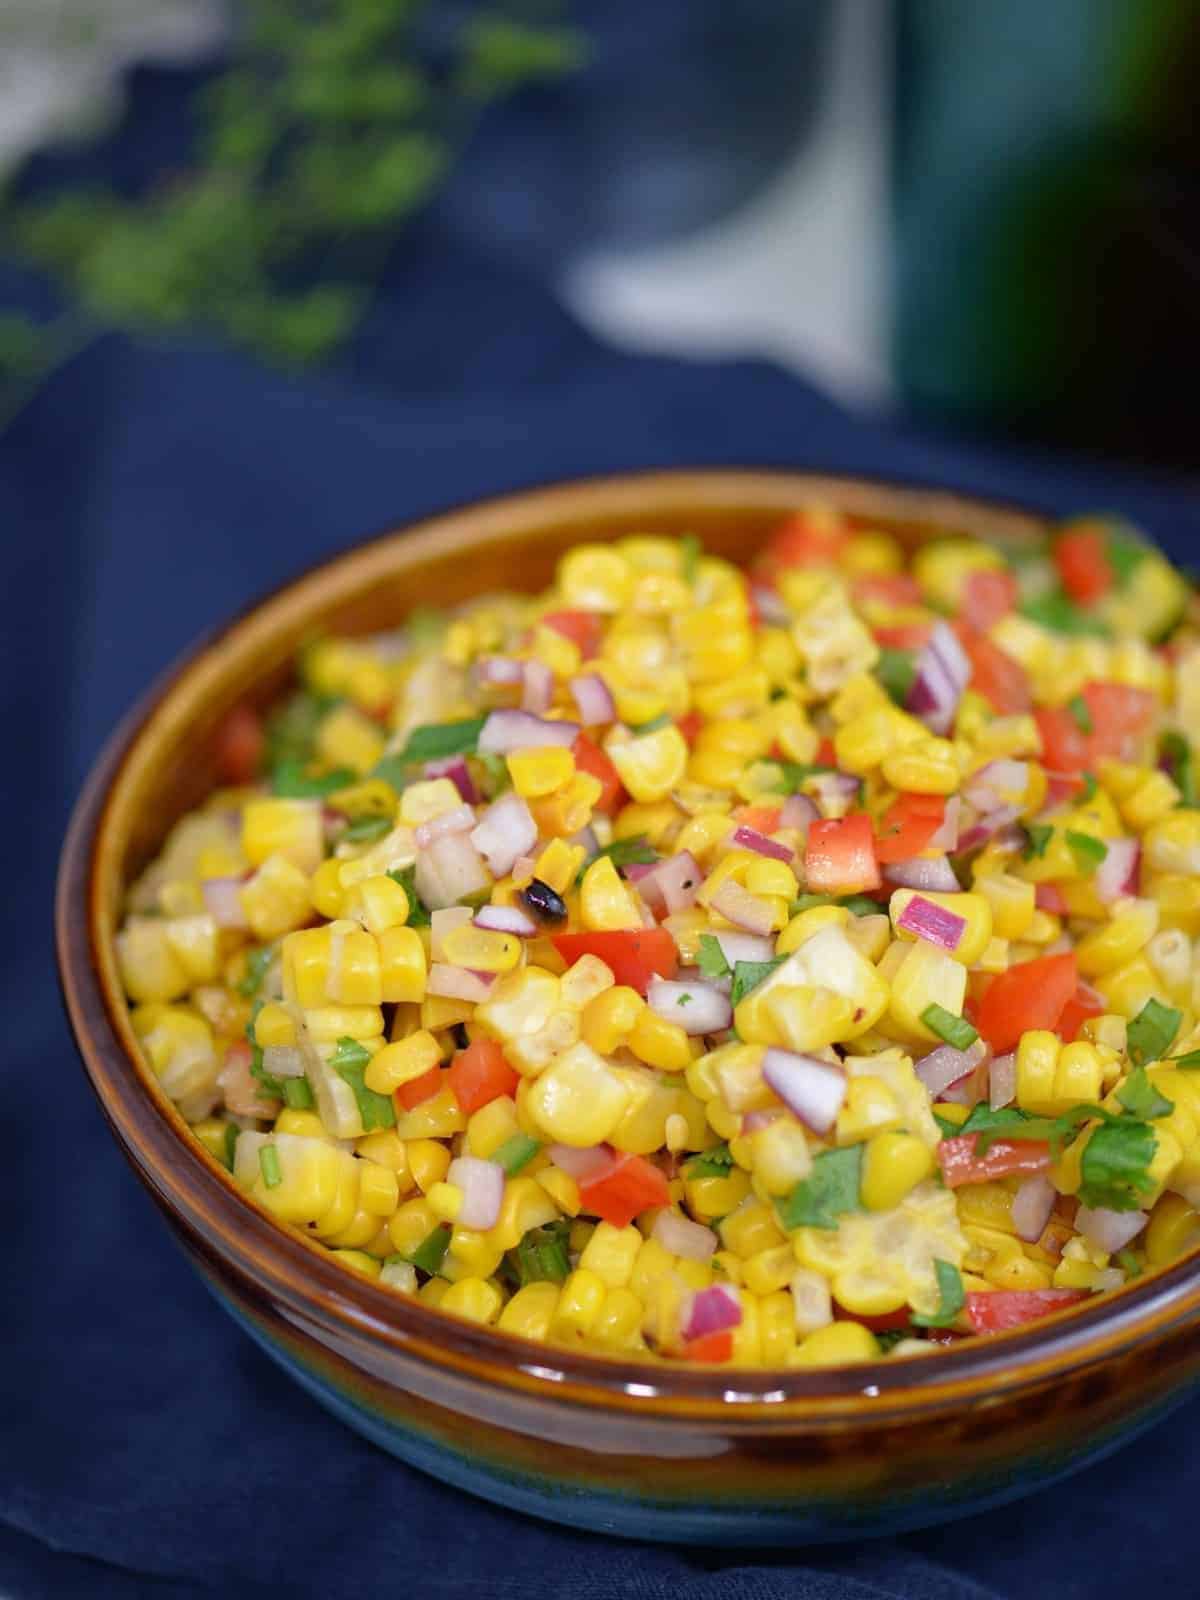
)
(146, 1446)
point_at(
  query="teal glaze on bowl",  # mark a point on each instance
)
(648, 1450)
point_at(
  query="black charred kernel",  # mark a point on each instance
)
(546, 903)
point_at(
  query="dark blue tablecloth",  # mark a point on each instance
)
(146, 1447)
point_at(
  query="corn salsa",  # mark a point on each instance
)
(776, 967)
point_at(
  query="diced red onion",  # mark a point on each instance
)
(458, 983)
(751, 839)
(671, 884)
(501, 671)
(538, 689)
(505, 832)
(455, 768)
(753, 1121)
(942, 673)
(283, 1061)
(593, 699)
(933, 923)
(698, 1008)
(1109, 1230)
(770, 606)
(933, 873)
(482, 1185)
(1032, 1205)
(223, 899)
(450, 870)
(711, 1310)
(742, 908)
(583, 1164)
(506, 919)
(969, 1091)
(737, 947)
(1117, 874)
(946, 1065)
(460, 820)
(991, 788)
(813, 1089)
(685, 1238)
(505, 731)
(946, 837)
(1002, 1081)
(798, 812)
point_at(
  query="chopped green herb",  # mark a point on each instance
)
(690, 551)
(1079, 709)
(541, 1257)
(748, 975)
(297, 1094)
(860, 905)
(1152, 1032)
(1124, 554)
(1056, 611)
(951, 1297)
(290, 780)
(1141, 1099)
(350, 1061)
(655, 723)
(1009, 1122)
(1038, 836)
(292, 730)
(956, 1031)
(1088, 851)
(888, 1338)
(1089, 788)
(1181, 765)
(431, 1251)
(714, 1163)
(1188, 1062)
(896, 670)
(268, 1165)
(796, 773)
(1129, 1262)
(1115, 1165)
(806, 902)
(950, 1130)
(230, 1143)
(366, 830)
(710, 958)
(622, 853)
(496, 777)
(515, 1153)
(257, 963)
(418, 915)
(685, 999)
(433, 741)
(831, 1188)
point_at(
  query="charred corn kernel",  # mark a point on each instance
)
(477, 1299)
(974, 910)
(1173, 1229)
(709, 1197)
(926, 976)
(659, 1043)
(838, 1344)
(924, 766)
(446, 1200)
(275, 899)
(421, 802)
(893, 1165)
(580, 1303)
(530, 1312)
(869, 1108)
(1012, 901)
(611, 1253)
(403, 965)
(541, 771)
(402, 1061)
(289, 828)
(1153, 799)
(380, 903)
(578, 1100)
(347, 738)
(274, 1025)
(559, 864)
(651, 764)
(604, 900)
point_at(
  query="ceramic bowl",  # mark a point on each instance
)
(646, 1450)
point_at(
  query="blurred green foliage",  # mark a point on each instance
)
(331, 124)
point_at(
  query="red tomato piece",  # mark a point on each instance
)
(960, 1164)
(887, 1322)
(239, 747)
(634, 955)
(1084, 1003)
(994, 674)
(839, 857)
(1030, 995)
(1120, 717)
(480, 1074)
(765, 819)
(1081, 557)
(986, 597)
(710, 1347)
(991, 1311)
(1064, 743)
(1049, 897)
(419, 1089)
(911, 821)
(890, 588)
(807, 539)
(826, 754)
(584, 628)
(591, 759)
(624, 1188)
(904, 636)
(689, 725)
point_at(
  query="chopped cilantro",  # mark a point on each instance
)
(350, 1061)
(1188, 1062)
(714, 1163)
(229, 1145)
(860, 905)
(1056, 611)
(831, 1188)
(795, 773)
(748, 975)
(432, 741)
(1037, 836)
(1124, 553)
(541, 1256)
(515, 1153)
(1115, 1165)
(950, 1130)
(896, 670)
(257, 963)
(710, 958)
(429, 1254)
(418, 915)
(290, 780)
(292, 730)
(622, 853)
(1177, 753)
(1088, 851)
(496, 777)
(1128, 1261)
(1152, 1032)
(690, 551)
(955, 1031)
(1089, 788)
(951, 1297)
(888, 1338)
(1141, 1099)
(1080, 710)
(366, 830)
(685, 999)
(268, 1164)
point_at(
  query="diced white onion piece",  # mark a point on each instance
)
(1109, 1230)
(584, 1163)
(500, 671)
(923, 872)
(946, 1065)
(1002, 1081)
(798, 812)
(506, 919)
(460, 820)
(283, 1061)
(449, 871)
(538, 689)
(682, 1237)
(223, 900)
(505, 833)
(593, 699)
(505, 731)
(1117, 873)
(834, 792)
(1031, 1207)
(743, 909)
(676, 881)
(814, 1090)
(400, 1275)
(482, 1185)
(737, 947)
(455, 768)
(997, 826)
(698, 1008)
(458, 983)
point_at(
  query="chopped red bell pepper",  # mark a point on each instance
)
(839, 856)
(1081, 556)
(419, 1089)
(764, 819)
(1049, 897)
(903, 636)
(634, 955)
(986, 597)
(994, 674)
(889, 588)
(1084, 1003)
(591, 759)
(1030, 995)
(480, 1074)
(1120, 716)
(886, 1322)
(805, 540)
(623, 1188)
(991, 1311)
(584, 628)
(960, 1164)
(710, 1347)
(1064, 743)
(239, 746)
(909, 824)
(689, 725)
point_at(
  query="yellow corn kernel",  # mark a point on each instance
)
(327, 1024)
(275, 899)
(925, 766)
(446, 1200)
(578, 1100)
(611, 1253)
(781, 1157)
(403, 965)
(651, 764)
(290, 828)
(742, 694)
(421, 802)
(766, 1272)
(1154, 798)
(805, 923)
(605, 902)
(539, 772)
(580, 1302)
(838, 1344)
(766, 877)
(519, 1004)
(1173, 843)
(974, 909)
(380, 903)
(926, 976)
(1173, 1229)
(558, 864)
(809, 1018)
(1133, 924)
(274, 1025)
(439, 1117)
(595, 577)
(378, 1189)
(347, 738)
(1037, 1062)
(659, 1043)
(893, 1165)
(530, 1312)
(1012, 901)
(481, 949)
(433, 1292)
(402, 1061)
(358, 1261)
(1128, 988)
(477, 1299)
(471, 1254)
(869, 1108)
(709, 1197)
(1007, 736)
(411, 1225)
(1178, 901)
(194, 939)
(619, 1325)
(353, 975)
(326, 892)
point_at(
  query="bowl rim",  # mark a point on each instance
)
(298, 1273)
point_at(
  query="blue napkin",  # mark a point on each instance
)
(146, 1446)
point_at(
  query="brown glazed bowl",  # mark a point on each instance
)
(648, 1450)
